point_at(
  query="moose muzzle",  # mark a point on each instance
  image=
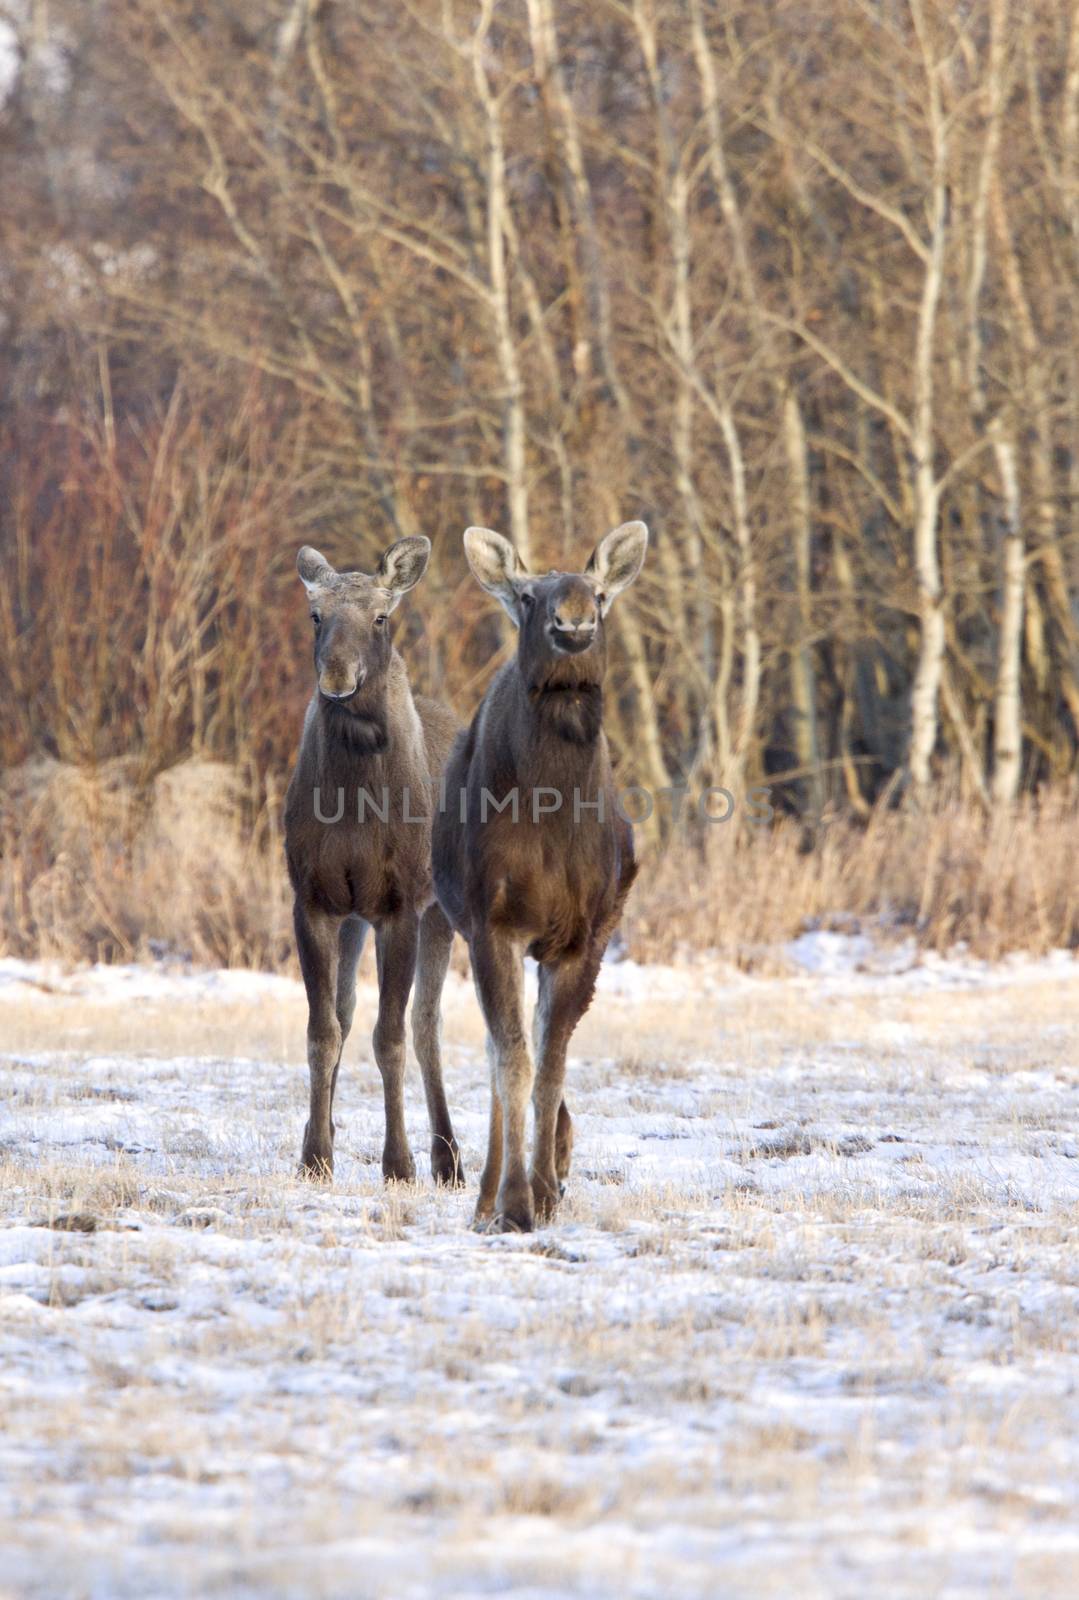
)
(572, 617)
(336, 684)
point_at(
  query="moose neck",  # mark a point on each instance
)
(558, 739)
(354, 740)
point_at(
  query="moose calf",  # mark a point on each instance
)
(370, 760)
(531, 854)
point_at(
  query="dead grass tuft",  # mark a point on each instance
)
(945, 875)
(95, 864)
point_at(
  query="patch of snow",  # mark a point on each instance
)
(10, 61)
(137, 261)
(823, 951)
(808, 1306)
(832, 962)
(839, 961)
(24, 980)
(633, 980)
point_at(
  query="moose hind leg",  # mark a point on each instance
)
(350, 944)
(395, 945)
(436, 938)
(317, 946)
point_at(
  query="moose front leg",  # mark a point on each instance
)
(492, 1168)
(317, 944)
(564, 992)
(395, 944)
(496, 962)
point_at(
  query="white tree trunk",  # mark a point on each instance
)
(547, 55)
(999, 17)
(803, 685)
(512, 385)
(747, 591)
(1007, 720)
(925, 693)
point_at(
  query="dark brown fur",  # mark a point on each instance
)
(552, 884)
(349, 874)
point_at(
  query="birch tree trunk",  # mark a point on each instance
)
(999, 16)
(547, 57)
(672, 194)
(497, 203)
(1007, 721)
(925, 692)
(1046, 555)
(803, 681)
(546, 53)
(1070, 133)
(747, 591)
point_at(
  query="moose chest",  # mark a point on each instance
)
(351, 861)
(367, 871)
(550, 883)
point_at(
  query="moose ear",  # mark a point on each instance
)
(313, 568)
(496, 567)
(617, 560)
(403, 565)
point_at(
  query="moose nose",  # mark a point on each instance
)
(573, 625)
(344, 694)
(572, 633)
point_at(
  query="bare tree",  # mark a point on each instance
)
(795, 285)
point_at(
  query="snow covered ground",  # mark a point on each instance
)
(806, 1323)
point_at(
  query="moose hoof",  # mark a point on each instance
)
(505, 1223)
(499, 1222)
(546, 1193)
(398, 1168)
(483, 1217)
(447, 1168)
(316, 1156)
(515, 1212)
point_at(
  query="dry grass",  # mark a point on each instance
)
(99, 864)
(945, 875)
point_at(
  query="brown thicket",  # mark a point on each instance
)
(797, 285)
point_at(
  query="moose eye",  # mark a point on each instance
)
(380, 620)
(316, 618)
(527, 600)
